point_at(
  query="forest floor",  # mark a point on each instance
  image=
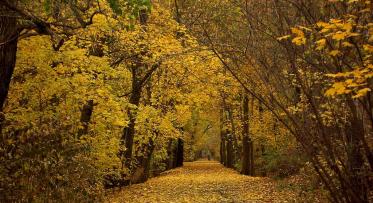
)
(204, 181)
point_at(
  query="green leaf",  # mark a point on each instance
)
(114, 5)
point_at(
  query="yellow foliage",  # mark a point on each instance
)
(345, 36)
(300, 38)
(334, 52)
(362, 92)
(321, 44)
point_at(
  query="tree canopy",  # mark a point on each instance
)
(98, 94)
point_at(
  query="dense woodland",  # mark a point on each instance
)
(101, 94)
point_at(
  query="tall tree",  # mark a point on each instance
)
(22, 19)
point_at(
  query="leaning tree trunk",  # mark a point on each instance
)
(8, 51)
(129, 131)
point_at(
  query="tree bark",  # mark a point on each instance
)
(8, 51)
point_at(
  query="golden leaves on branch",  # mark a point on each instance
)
(340, 40)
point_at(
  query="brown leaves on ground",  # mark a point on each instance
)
(203, 181)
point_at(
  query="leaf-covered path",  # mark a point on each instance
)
(203, 181)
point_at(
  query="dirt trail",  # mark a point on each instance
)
(203, 181)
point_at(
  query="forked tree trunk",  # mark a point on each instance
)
(8, 51)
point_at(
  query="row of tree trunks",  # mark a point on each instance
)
(228, 148)
(234, 138)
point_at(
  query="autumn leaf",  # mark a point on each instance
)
(339, 36)
(361, 93)
(334, 53)
(320, 44)
(300, 38)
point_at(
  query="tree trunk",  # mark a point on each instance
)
(236, 151)
(148, 160)
(223, 152)
(223, 155)
(8, 51)
(180, 153)
(141, 173)
(170, 155)
(174, 155)
(85, 117)
(230, 152)
(247, 151)
(357, 176)
(129, 131)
